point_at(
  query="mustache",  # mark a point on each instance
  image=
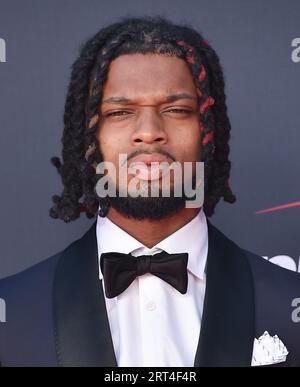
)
(149, 152)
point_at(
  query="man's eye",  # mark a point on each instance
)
(118, 113)
(178, 111)
(124, 112)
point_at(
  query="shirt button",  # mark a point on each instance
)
(151, 306)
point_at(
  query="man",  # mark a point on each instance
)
(152, 282)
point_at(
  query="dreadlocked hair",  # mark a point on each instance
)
(81, 150)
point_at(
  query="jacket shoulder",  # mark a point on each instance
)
(42, 271)
(27, 334)
(29, 277)
(27, 316)
(262, 268)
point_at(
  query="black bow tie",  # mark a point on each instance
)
(120, 270)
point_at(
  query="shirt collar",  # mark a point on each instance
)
(192, 238)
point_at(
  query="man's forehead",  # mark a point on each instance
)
(148, 76)
(142, 68)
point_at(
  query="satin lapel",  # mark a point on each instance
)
(83, 335)
(227, 330)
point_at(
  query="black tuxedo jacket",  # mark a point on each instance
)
(56, 313)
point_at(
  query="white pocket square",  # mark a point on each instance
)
(268, 350)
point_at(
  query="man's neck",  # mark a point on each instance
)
(150, 232)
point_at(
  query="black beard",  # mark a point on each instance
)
(141, 208)
(154, 208)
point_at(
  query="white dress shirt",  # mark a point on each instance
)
(152, 324)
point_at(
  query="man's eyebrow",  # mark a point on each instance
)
(168, 98)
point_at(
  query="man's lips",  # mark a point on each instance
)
(150, 158)
(149, 166)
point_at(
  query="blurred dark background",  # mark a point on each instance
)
(254, 41)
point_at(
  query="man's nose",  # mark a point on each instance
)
(149, 128)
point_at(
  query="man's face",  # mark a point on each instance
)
(149, 111)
